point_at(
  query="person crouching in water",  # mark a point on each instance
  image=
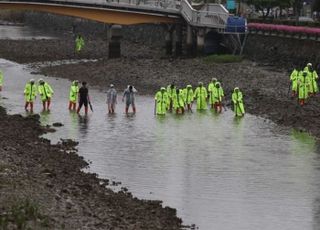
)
(111, 99)
(83, 98)
(46, 93)
(178, 101)
(129, 95)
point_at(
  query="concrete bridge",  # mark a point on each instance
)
(180, 18)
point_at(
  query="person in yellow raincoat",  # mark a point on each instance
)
(30, 93)
(312, 79)
(46, 93)
(1, 80)
(73, 95)
(211, 88)
(200, 95)
(178, 101)
(237, 99)
(294, 82)
(171, 91)
(161, 102)
(188, 97)
(217, 97)
(79, 43)
(303, 86)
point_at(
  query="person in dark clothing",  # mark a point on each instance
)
(83, 98)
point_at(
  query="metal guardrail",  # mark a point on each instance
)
(201, 18)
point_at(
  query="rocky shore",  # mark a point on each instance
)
(43, 186)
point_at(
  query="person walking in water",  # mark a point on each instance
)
(111, 99)
(161, 102)
(73, 95)
(30, 93)
(1, 80)
(129, 96)
(178, 102)
(211, 88)
(200, 95)
(237, 99)
(46, 93)
(188, 97)
(171, 91)
(217, 97)
(84, 98)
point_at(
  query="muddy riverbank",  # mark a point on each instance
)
(43, 186)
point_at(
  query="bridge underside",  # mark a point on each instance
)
(109, 16)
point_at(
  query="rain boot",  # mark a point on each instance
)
(48, 104)
(86, 110)
(134, 109)
(26, 106)
(31, 107)
(44, 105)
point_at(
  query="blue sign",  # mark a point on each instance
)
(231, 4)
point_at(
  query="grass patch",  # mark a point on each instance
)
(23, 215)
(225, 58)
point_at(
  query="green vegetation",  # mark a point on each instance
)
(23, 215)
(225, 58)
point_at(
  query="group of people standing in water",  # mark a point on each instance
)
(181, 100)
(167, 99)
(78, 95)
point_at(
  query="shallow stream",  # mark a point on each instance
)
(217, 171)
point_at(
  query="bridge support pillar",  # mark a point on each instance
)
(200, 41)
(189, 41)
(115, 41)
(178, 40)
(169, 40)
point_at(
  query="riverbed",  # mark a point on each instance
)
(217, 171)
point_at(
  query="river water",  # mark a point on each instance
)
(217, 171)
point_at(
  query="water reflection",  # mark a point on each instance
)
(303, 142)
(83, 122)
(21, 32)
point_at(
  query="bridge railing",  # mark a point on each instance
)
(161, 5)
(211, 15)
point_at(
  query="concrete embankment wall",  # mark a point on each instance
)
(146, 34)
(282, 52)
